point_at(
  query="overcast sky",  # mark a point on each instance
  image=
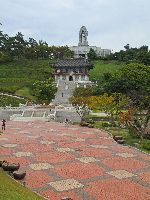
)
(110, 23)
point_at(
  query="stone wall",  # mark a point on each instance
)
(5, 114)
(70, 115)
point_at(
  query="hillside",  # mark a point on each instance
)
(101, 67)
(17, 77)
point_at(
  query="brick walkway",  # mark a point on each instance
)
(76, 162)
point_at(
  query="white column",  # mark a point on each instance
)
(86, 78)
(74, 78)
(79, 77)
(67, 77)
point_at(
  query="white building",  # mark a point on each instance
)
(83, 48)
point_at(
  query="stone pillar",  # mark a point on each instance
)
(74, 78)
(60, 77)
(79, 77)
(86, 78)
(66, 87)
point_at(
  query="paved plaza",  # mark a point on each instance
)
(77, 162)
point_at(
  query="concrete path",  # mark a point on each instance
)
(76, 162)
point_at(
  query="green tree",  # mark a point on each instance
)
(19, 45)
(127, 46)
(83, 92)
(44, 90)
(141, 55)
(5, 57)
(132, 80)
(32, 42)
(92, 54)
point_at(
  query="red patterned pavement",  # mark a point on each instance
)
(76, 162)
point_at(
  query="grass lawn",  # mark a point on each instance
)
(11, 190)
(7, 100)
(130, 138)
(21, 74)
(25, 92)
(101, 67)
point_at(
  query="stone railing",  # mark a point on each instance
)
(20, 108)
(15, 116)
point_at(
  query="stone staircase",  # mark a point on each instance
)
(27, 113)
(64, 92)
(47, 115)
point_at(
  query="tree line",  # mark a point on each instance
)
(16, 47)
(128, 55)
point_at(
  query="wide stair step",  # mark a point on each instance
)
(27, 113)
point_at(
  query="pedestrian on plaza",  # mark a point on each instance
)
(3, 124)
(62, 94)
(66, 121)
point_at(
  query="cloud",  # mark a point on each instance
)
(111, 23)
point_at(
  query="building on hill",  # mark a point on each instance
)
(76, 70)
(83, 48)
(69, 74)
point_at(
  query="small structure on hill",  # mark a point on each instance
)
(83, 48)
(69, 74)
(75, 70)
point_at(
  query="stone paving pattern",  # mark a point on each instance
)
(76, 162)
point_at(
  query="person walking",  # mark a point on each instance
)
(66, 121)
(3, 124)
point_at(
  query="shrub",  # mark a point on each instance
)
(106, 124)
(145, 144)
(7, 100)
(84, 124)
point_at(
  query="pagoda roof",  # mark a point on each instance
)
(75, 62)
